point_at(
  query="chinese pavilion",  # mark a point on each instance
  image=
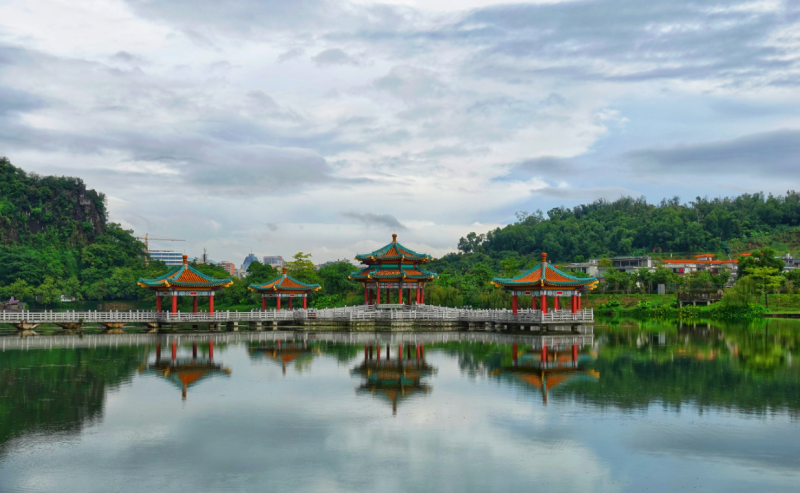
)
(184, 280)
(546, 280)
(284, 286)
(393, 267)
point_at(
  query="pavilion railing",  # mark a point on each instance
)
(352, 313)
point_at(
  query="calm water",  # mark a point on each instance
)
(649, 407)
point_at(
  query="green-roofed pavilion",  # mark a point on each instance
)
(284, 286)
(546, 280)
(185, 280)
(393, 267)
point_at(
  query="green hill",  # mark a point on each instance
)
(55, 238)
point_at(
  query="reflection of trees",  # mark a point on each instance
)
(59, 390)
(631, 382)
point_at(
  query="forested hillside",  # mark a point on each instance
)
(629, 226)
(55, 238)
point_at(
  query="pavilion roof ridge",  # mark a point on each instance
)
(543, 275)
(185, 276)
(284, 282)
(394, 250)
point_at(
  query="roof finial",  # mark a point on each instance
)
(184, 260)
(544, 257)
(284, 271)
(394, 237)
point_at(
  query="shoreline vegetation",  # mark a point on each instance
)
(51, 248)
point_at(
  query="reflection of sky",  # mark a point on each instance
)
(262, 431)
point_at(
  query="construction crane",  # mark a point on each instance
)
(147, 238)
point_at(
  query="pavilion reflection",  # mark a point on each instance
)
(186, 372)
(546, 368)
(284, 352)
(394, 379)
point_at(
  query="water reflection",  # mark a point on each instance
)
(396, 379)
(283, 352)
(544, 368)
(185, 372)
(719, 403)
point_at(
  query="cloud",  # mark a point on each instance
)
(334, 56)
(769, 152)
(381, 220)
(584, 195)
(291, 54)
(541, 166)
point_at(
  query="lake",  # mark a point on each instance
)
(640, 406)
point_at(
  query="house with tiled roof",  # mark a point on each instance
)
(284, 286)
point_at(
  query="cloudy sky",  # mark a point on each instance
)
(280, 126)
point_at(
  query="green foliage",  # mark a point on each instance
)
(632, 226)
(759, 258)
(55, 240)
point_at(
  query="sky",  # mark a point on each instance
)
(275, 127)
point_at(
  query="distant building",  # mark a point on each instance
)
(276, 261)
(591, 267)
(230, 267)
(248, 260)
(704, 261)
(790, 262)
(631, 264)
(169, 257)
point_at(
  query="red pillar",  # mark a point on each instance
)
(174, 304)
(263, 303)
(422, 295)
(514, 353)
(378, 351)
(418, 352)
(555, 303)
(158, 351)
(211, 304)
(417, 293)
(194, 350)
(174, 349)
(211, 349)
(279, 302)
(290, 303)
(194, 304)
(400, 295)
(574, 303)
(579, 302)
(514, 303)
(544, 353)
(533, 302)
(575, 353)
(400, 352)
(378, 290)
(366, 297)
(158, 303)
(544, 304)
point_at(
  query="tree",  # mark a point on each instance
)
(49, 292)
(766, 278)
(260, 273)
(19, 290)
(759, 258)
(510, 267)
(302, 268)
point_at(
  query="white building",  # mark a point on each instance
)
(276, 261)
(169, 257)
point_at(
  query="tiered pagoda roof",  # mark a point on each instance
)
(394, 252)
(393, 262)
(185, 277)
(545, 276)
(284, 284)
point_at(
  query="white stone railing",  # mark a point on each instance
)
(352, 313)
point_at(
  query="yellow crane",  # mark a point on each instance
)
(146, 238)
